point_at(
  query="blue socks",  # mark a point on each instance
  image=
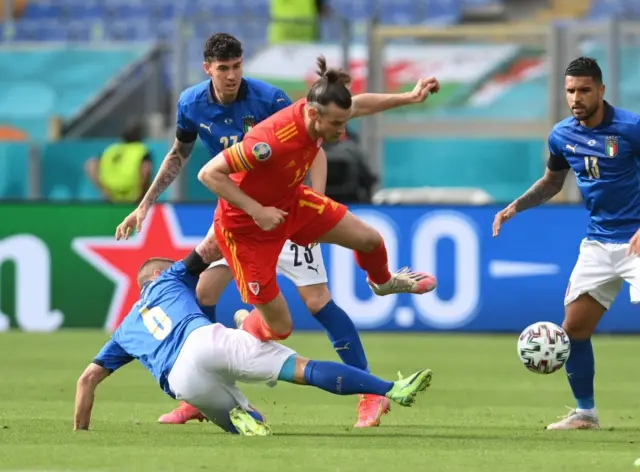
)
(343, 335)
(343, 379)
(209, 312)
(581, 371)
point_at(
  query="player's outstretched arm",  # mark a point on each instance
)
(371, 103)
(542, 191)
(85, 392)
(171, 167)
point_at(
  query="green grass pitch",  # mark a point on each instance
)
(484, 412)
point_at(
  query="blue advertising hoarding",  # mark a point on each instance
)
(485, 284)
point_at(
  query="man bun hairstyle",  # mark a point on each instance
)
(331, 87)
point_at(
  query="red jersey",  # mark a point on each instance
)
(270, 163)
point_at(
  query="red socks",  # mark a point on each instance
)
(375, 264)
(255, 325)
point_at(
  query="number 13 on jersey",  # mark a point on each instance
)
(591, 166)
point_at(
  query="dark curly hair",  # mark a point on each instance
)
(222, 47)
(584, 67)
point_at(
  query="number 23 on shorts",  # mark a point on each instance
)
(307, 254)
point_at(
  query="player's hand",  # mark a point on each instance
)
(269, 218)
(133, 221)
(502, 217)
(634, 245)
(423, 88)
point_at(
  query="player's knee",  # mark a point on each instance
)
(576, 330)
(211, 284)
(370, 240)
(315, 298)
(577, 327)
(206, 297)
(582, 316)
(281, 330)
(208, 294)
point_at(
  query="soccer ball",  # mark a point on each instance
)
(543, 347)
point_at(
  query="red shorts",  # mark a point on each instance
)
(253, 255)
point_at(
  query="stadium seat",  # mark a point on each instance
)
(605, 8)
(442, 11)
(353, 9)
(37, 84)
(258, 8)
(42, 10)
(400, 12)
(483, 8)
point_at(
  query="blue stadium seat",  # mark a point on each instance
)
(605, 8)
(160, 10)
(633, 9)
(400, 12)
(91, 9)
(442, 11)
(353, 9)
(476, 4)
(164, 30)
(129, 30)
(81, 30)
(259, 8)
(36, 84)
(45, 10)
(223, 8)
(129, 11)
(330, 31)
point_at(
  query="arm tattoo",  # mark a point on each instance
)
(208, 249)
(171, 166)
(543, 190)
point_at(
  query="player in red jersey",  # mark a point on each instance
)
(263, 203)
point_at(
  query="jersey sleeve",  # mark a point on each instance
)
(186, 130)
(112, 356)
(179, 271)
(279, 101)
(635, 138)
(556, 161)
(257, 147)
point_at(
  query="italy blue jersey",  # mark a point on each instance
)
(220, 126)
(157, 326)
(606, 162)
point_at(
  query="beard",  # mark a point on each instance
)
(584, 114)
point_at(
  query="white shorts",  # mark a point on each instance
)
(302, 265)
(210, 362)
(600, 270)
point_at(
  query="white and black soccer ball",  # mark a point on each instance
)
(544, 347)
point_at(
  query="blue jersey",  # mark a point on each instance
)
(157, 326)
(220, 126)
(606, 162)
